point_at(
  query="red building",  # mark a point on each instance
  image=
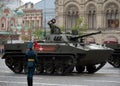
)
(7, 21)
(31, 19)
(18, 24)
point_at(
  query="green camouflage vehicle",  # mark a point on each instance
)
(114, 59)
(59, 54)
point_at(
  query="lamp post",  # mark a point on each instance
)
(44, 18)
(9, 29)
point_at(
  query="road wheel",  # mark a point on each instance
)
(116, 63)
(91, 69)
(80, 69)
(60, 69)
(71, 68)
(9, 62)
(39, 68)
(18, 67)
(49, 68)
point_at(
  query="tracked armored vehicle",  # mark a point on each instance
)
(114, 59)
(59, 54)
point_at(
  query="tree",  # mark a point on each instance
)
(38, 34)
(24, 37)
(80, 26)
(62, 29)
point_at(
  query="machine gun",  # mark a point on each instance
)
(82, 36)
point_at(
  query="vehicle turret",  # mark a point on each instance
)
(56, 34)
(68, 37)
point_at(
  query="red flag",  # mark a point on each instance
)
(37, 46)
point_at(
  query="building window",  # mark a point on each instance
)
(112, 16)
(26, 5)
(12, 23)
(32, 5)
(91, 10)
(23, 22)
(71, 17)
(3, 25)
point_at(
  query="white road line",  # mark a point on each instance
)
(12, 77)
(48, 84)
(105, 81)
(18, 77)
(6, 71)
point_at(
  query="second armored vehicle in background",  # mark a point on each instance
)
(114, 59)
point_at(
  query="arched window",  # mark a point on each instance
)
(12, 23)
(3, 24)
(91, 13)
(71, 16)
(112, 16)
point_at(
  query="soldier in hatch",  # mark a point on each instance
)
(54, 28)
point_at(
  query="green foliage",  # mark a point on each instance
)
(62, 29)
(25, 38)
(38, 34)
(80, 26)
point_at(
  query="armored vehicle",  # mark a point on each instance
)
(59, 54)
(114, 59)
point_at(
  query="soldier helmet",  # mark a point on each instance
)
(53, 20)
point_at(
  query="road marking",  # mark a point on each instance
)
(104, 81)
(4, 71)
(18, 77)
(11, 77)
(34, 83)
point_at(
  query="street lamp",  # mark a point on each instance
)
(9, 28)
(44, 13)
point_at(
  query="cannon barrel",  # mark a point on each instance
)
(82, 36)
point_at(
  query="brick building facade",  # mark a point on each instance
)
(7, 21)
(17, 24)
(101, 15)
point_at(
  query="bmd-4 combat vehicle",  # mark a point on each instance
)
(59, 54)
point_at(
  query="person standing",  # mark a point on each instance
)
(32, 59)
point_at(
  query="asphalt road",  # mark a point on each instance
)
(107, 76)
